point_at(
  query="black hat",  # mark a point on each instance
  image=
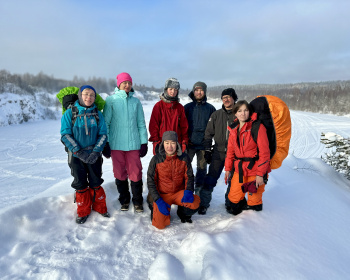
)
(231, 92)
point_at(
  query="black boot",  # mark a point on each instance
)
(237, 208)
(136, 189)
(258, 207)
(124, 194)
(184, 218)
(81, 220)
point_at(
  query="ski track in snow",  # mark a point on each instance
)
(126, 246)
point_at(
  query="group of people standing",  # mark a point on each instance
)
(177, 133)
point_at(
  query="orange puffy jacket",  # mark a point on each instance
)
(239, 150)
(169, 174)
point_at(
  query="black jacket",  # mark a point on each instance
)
(217, 129)
(197, 114)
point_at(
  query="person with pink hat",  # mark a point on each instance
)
(127, 136)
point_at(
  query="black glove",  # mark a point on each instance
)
(208, 154)
(82, 155)
(106, 151)
(93, 157)
(143, 150)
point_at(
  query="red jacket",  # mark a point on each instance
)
(168, 115)
(245, 147)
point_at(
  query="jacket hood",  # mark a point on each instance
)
(191, 95)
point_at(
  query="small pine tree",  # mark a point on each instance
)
(339, 155)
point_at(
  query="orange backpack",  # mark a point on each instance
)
(274, 114)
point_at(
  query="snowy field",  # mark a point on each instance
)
(302, 233)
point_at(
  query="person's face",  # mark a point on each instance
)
(228, 101)
(198, 93)
(126, 86)
(88, 96)
(242, 113)
(172, 92)
(169, 147)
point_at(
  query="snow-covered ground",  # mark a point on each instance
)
(302, 233)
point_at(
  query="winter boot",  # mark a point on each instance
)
(202, 210)
(137, 199)
(83, 200)
(81, 220)
(258, 207)
(237, 208)
(98, 197)
(183, 217)
(124, 194)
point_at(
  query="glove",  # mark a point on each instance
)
(249, 187)
(208, 154)
(156, 147)
(82, 155)
(188, 197)
(143, 150)
(184, 147)
(163, 206)
(107, 151)
(93, 157)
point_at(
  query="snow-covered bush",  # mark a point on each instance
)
(339, 154)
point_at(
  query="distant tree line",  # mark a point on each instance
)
(28, 83)
(323, 97)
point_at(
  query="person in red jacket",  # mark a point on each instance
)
(168, 115)
(248, 160)
(170, 181)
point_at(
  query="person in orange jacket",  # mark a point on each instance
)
(170, 181)
(249, 161)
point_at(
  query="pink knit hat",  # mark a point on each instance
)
(122, 77)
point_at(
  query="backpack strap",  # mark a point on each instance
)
(75, 114)
(255, 130)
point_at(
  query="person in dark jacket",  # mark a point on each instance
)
(85, 140)
(198, 113)
(217, 130)
(170, 181)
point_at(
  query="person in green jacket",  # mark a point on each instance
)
(127, 136)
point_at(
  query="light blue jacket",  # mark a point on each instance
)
(85, 133)
(125, 121)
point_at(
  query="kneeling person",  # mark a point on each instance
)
(170, 181)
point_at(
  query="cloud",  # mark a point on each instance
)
(221, 42)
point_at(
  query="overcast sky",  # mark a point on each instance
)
(218, 42)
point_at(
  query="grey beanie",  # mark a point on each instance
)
(172, 136)
(201, 85)
(172, 83)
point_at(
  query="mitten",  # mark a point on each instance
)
(93, 157)
(156, 147)
(143, 150)
(163, 206)
(188, 197)
(82, 155)
(208, 154)
(107, 151)
(249, 187)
